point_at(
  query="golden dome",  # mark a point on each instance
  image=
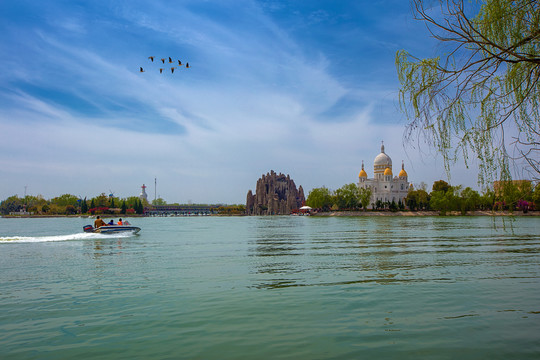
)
(402, 172)
(387, 171)
(362, 172)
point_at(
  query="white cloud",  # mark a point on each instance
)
(252, 102)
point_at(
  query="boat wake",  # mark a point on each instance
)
(69, 237)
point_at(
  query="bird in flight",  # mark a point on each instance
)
(171, 61)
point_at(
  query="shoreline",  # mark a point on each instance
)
(67, 216)
(426, 213)
(320, 214)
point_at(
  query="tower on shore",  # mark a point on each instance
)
(143, 195)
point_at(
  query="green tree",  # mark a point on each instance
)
(65, 200)
(511, 192)
(536, 197)
(132, 202)
(441, 185)
(417, 200)
(487, 200)
(70, 210)
(34, 203)
(364, 196)
(346, 197)
(139, 209)
(84, 206)
(412, 200)
(159, 202)
(423, 199)
(55, 209)
(11, 204)
(102, 200)
(484, 82)
(444, 201)
(124, 207)
(441, 201)
(470, 200)
(320, 198)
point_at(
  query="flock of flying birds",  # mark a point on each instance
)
(171, 61)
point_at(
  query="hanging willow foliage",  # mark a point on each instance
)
(481, 95)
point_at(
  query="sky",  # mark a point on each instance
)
(305, 88)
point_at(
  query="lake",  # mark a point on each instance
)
(283, 287)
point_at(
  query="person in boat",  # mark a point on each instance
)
(99, 222)
(119, 222)
(111, 222)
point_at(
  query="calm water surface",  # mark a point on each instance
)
(272, 288)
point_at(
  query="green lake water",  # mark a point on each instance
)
(272, 288)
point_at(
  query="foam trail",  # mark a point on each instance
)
(52, 238)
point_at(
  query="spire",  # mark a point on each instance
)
(382, 146)
(362, 175)
(402, 173)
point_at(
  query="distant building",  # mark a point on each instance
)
(522, 186)
(143, 196)
(384, 186)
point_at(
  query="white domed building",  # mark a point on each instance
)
(384, 186)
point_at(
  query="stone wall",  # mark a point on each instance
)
(274, 195)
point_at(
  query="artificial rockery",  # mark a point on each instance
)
(275, 194)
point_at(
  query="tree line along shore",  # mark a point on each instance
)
(108, 205)
(444, 199)
(512, 197)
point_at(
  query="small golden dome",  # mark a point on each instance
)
(402, 172)
(387, 171)
(362, 172)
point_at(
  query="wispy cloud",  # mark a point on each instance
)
(77, 116)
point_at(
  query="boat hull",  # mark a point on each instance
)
(110, 229)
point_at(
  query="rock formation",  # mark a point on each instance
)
(274, 195)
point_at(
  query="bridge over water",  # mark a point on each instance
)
(180, 210)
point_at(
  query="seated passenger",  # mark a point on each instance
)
(98, 222)
(119, 222)
(111, 222)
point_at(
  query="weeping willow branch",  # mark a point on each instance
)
(482, 89)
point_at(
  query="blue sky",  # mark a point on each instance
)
(306, 88)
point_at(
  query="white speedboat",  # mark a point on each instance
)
(109, 229)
